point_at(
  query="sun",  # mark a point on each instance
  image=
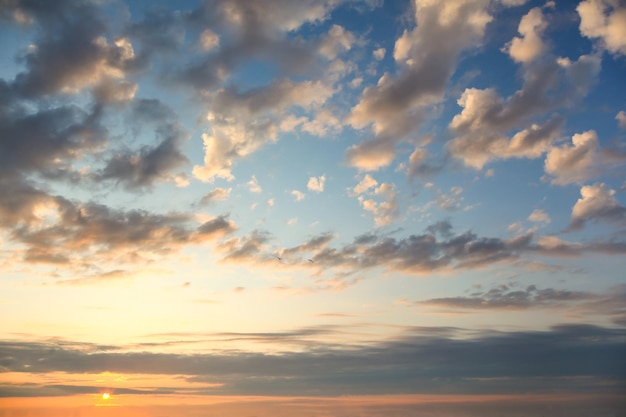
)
(105, 395)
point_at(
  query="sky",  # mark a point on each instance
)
(315, 208)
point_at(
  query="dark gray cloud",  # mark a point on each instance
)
(489, 362)
(152, 163)
(47, 140)
(438, 249)
(77, 229)
(246, 248)
(70, 52)
(507, 298)
(218, 225)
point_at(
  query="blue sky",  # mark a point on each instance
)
(270, 203)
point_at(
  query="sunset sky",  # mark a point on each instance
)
(312, 208)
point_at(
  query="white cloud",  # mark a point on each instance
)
(621, 119)
(218, 194)
(386, 211)
(337, 39)
(573, 163)
(379, 54)
(539, 216)
(316, 184)
(356, 82)
(393, 108)
(365, 184)
(270, 202)
(529, 46)
(481, 124)
(604, 20)
(242, 122)
(253, 185)
(299, 196)
(482, 127)
(452, 201)
(209, 40)
(597, 203)
(292, 221)
(516, 228)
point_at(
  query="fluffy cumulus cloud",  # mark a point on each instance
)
(298, 195)
(573, 163)
(253, 185)
(316, 184)
(597, 203)
(243, 121)
(604, 20)
(539, 216)
(385, 211)
(483, 129)
(394, 107)
(365, 184)
(529, 45)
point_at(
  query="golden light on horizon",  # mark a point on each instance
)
(106, 395)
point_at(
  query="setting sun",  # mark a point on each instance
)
(105, 396)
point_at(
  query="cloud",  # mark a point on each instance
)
(365, 184)
(394, 107)
(209, 40)
(114, 92)
(597, 203)
(150, 164)
(419, 166)
(462, 362)
(218, 226)
(539, 216)
(253, 185)
(77, 56)
(386, 211)
(505, 298)
(298, 195)
(242, 122)
(452, 201)
(53, 229)
(379, 54)
(480, 125)
(337, 39)
(604, 20)
(247, 248)
(438, 249)
(508, 297)
(575, 163)
(529, 45)
(621, 119)
(217, 194)
(313, 245)
(482, 128)
(47, 141)
(316, 184)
